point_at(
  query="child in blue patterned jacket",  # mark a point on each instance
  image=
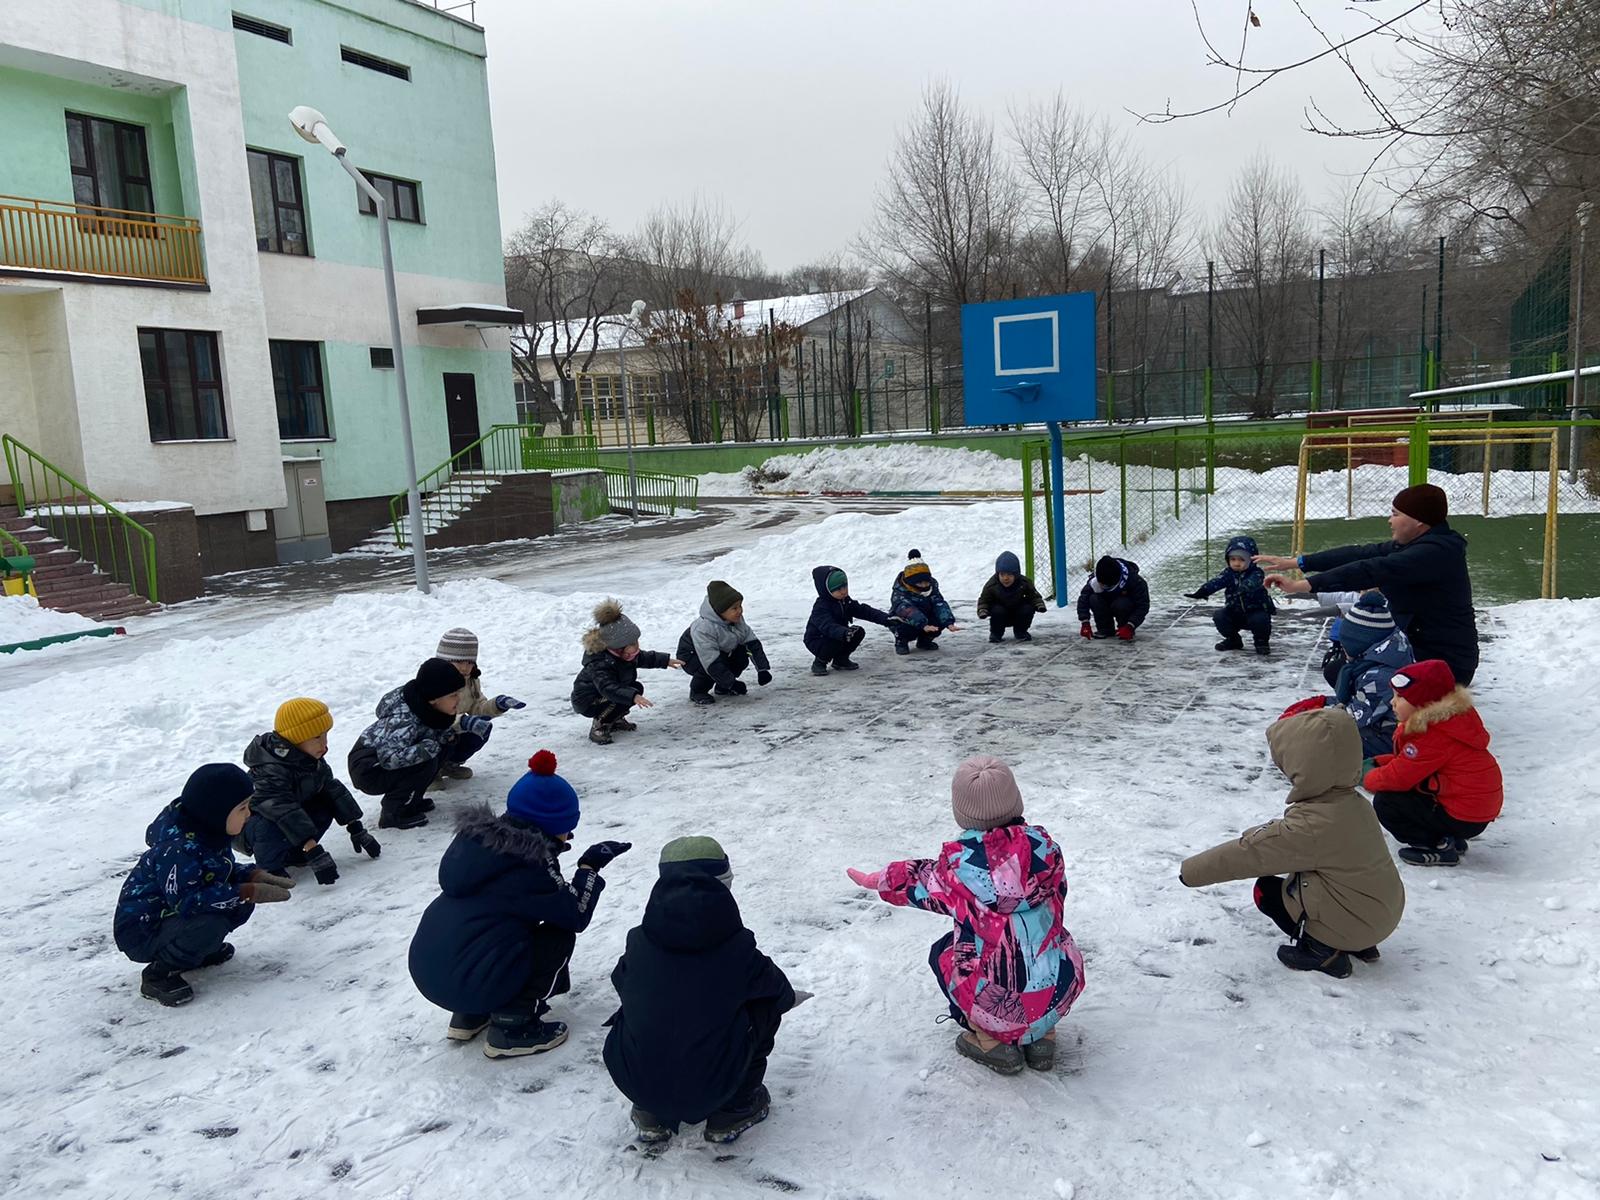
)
(1248, 604)
(917, 609)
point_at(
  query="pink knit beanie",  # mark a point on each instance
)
(984, 794)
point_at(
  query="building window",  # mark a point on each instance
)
(182, 384)
(383, 66)
(110, 165)
(266, 29)
(381, 357)
(297, 379)
(279, 205)
(403, 198)
(528, 402)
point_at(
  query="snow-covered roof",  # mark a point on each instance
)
(796, 311)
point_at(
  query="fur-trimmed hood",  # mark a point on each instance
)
(1457, 704)
(488, 846)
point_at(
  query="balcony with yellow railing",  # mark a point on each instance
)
(87, 239)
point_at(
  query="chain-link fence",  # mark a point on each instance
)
(1171, 499)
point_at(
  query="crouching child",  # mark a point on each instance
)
(1441, 787)
(831, 634)
(186, 893)
(1009, 600)
(493, 947)
(398, 755)
(1323, 873)
(607, 684)
(1247, 602)
(918, 608)
(1115, 601)
(700, 1004)
(1009, 969)
(459, 647)
(297, 799)
(719, 646)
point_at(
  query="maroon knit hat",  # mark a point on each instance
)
(1425, 502)
(984, 794)
(1424, 682)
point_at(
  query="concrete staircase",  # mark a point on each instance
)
(440, 510)
(68, 582)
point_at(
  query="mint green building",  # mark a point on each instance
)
(191, 297)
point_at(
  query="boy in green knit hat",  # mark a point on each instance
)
(700, 1004)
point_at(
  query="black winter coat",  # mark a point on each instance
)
(287, 779)
(1020, 596)
(830, 618)
(1427, 586)
(1133, 589)
(606, 679)
(500, 882)
(680, 1044)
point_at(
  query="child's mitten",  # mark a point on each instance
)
(1125, 632)
(507, 703)
(477, 726)
(323, 867)
(363, 841)
(262, 893)
(261, 875)
(857, 633)
(1086, 630)
(866, 879)
(1194, 595)
(763, 678)
(599, 856)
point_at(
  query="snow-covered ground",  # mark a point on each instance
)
(1461, 1065)
(23, 620)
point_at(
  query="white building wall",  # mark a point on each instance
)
(105, 40)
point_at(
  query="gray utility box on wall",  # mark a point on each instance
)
(302, 524)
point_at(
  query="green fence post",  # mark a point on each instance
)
(650, 422)
(1419, 451)
(1176, 512)
(933, 410)
(1122, 468)
(1211, 434)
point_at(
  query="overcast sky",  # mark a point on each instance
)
(787, 112)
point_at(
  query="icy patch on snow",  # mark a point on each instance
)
(23, 619)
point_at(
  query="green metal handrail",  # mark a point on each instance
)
(105, 535)
(508, 448)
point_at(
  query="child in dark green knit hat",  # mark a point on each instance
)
(700, 1004)
(830, 635)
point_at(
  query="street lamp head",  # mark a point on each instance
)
(313, 126)
(1584, 211)
(636, 312)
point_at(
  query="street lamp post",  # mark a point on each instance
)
(313, 127)
(635, 317)
(1584, 211)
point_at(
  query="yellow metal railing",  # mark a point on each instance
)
(87, 239)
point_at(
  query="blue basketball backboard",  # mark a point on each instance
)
(1029, 360)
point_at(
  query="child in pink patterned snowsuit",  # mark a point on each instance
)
(1010, 969)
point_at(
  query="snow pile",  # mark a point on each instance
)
(1193, 1064)
(23, 619)
(895, 467)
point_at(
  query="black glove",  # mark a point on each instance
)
(738, 687)
(363, 841)
(321, 865)
(763, 678)
(598, 856)
(856, 635)
(1194, 595)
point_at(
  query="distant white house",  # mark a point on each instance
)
(879, 340)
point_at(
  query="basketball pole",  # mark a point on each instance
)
(1058, 503)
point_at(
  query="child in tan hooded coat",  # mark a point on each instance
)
(1325, 875)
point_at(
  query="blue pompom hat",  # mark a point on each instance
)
(543, 798)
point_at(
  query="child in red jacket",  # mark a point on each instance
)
(1441, 786)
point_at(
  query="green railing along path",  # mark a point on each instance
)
(506, 449)
(107, 537)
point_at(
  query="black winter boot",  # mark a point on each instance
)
(466, 1026)
(1263, 647)
(844, 664)
(508, 1039)
(652, 1129)
(725, 1125)
(1308, 954)
(218, 956)
(402, 818)
(600, 732)
(1231, 642)
(902, 647)
(819, 667)
(162, 984)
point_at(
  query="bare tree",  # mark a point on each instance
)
(1262, 244)
(562, 271)
(946, 216)
(693, 247)
(1062, 155)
